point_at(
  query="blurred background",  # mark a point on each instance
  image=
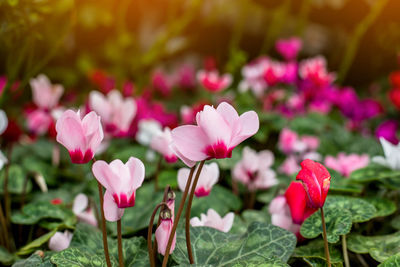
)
(67, 39)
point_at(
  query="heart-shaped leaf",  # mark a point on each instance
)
(379, 247)
(314, 250)
(80, 258)
(260, 243)
(33, 260)
(32, 213)
(384, 207)
(373, 172)
(338, 223)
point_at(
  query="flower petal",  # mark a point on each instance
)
(111, 211)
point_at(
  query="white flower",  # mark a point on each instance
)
(392, 155)
(60, 241)
(147, 130)
(213, 220)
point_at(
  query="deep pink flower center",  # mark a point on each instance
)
(170, 158)
(123, 201)
(201, 192)
(78, 157)
(218, 151)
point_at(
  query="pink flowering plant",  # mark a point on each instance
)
(132, 140)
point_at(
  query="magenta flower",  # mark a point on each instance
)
(208, 178)
(121, 182)
(39, 121)
(315, 71)
(115, 111)
(161, 82)
(45, 95)
(212, 81)
(82, 137)
(388, 130)
(160, 143)
(346, 164)
(217, 133)
(274, 71)
(254, 169)
(289, 48)
(214, 220)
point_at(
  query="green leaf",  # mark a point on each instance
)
(250, 216)
(79, 257)
(32, 213)
(342, 184)
(338, 223)
(315, 250)
(35, 244)
(316, 262)
(6, 257)
(395, 223)
(373, 172)
(260, 243)
(16, 180)
(168, 177)
(384, 207)
(393, 261)
(33, 260)
(379, 247)
(89, 238)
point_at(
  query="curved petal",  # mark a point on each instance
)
(99, 104)
(183, 175)
(249, 125)
(227, 222)
(266, 159)
(296, 198)
(81, 202)
(70, 132)
(162, 235)
(188, 162)
(93, 131)
(111, 211)
(190, 141)
(103, 173)
(228, 113)
(137, 172)
(214, 126)
(195, 222)
(60, 241)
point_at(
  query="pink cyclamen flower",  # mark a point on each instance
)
(82, 210)
(315, 71)
(212, 81)
(121, 182)
(217, 133)
(214, 220)
(164, 231)
(274, 71)
(45, 94)
(346, 164)
(81, 137)
(281, 216)
(39, 121)
(161, 82)
(289, 48)
(254, 170)
(290, 166)
(160, 143)
(116, 112)
(60, 241)
(388, 130)
(289, 142)
(208, 178)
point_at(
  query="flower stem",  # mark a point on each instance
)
(120, 252)
(188, 208)
(345, 254)
(149, 234)
(103, 225)
(177, 217)
(4, 237)
(328, 259)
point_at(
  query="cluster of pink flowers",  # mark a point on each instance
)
(297, 149)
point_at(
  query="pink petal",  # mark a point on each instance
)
(60, 241)
(162, 235)
(190, 141)
(183, 175)
(227, 222)
(81, 202)
(214, 126)
(228, 113)
(137, 172)
(103, 173)
(70, 132)
(188, 162)
(111, 211)
(93, 131)
(249, 126)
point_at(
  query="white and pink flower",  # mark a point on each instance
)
(208, 178)
(214, 220)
